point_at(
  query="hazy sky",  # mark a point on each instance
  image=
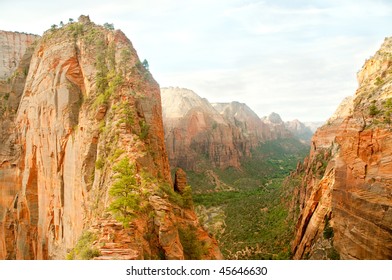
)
(296, 58)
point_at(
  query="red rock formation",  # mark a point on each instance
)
(87, 103)
(200, 134)
(15, 52)
(180, 181)
(277, 126)
(348, 176)
(196, 134)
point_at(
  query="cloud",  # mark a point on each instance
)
(297, 58)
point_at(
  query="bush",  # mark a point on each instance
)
(144, 129)
(187, 197)
(373, 110)
(194, 249)
(84, 249)
(328, 230)
(174, 197)
(99, 164)
(108, 26)
(379, 81)
(332, 254)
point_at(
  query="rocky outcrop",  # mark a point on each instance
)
(180, 181)
(87, 107)
(345, 195)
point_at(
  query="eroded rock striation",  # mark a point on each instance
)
(345, 198)
(84, 108)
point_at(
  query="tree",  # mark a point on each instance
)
(124, 192)
(61, 23)
(146, 65)
(108, 26)
(53, 27)
(71, 20)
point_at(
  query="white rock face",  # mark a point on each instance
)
(12, 48)
(178, 101)
(345, 109)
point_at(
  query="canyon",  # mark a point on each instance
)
(81, 116)
(201, 135)
(235, 162)
(98, 162)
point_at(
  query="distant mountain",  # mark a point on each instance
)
(314, 125)
(199, 133)
(300, 130)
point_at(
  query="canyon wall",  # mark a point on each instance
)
(200, 135)
(87, 107)
(345, 197)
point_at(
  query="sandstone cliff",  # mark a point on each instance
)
(345, 198)
(196, 134)
(202, 135)
(89, 116)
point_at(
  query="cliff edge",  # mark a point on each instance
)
(345, 198)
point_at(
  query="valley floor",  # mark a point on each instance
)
(248, 210)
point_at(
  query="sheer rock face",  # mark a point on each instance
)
(13, 47)
(200, 134)
(348, 177)
(15, 52)
(194, 129)
(87, 103)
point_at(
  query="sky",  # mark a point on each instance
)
(296, 58)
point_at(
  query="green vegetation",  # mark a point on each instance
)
(271, 160)
(332, 254)
(99, 163)
(328, 230)
(84, 249)
(125, 192)
(373, 110)
(379, 81)
(387, 111)
(255, 222)
(146, 65)
(258, 225)
(144, 129)
(107, 79)
(108, 26)
(183, 200)
(193, 248)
